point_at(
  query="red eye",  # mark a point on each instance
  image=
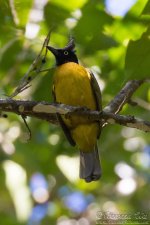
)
(66, 53)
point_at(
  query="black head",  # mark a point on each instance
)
(64, 55)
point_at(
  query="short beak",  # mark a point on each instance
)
(53, 50)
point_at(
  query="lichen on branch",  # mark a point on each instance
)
(48, 111)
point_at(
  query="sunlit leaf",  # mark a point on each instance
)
(71, 5)
(55, 14)
(89, 30)
(146, 10)
(21, 11)
(138, 7)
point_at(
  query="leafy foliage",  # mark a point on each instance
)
(117, 49)
(137, 57)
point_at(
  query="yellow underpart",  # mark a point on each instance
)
(72, 86)
(85, 136)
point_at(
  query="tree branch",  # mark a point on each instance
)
(26, 108)
(47, 111)
(128, 121)
(123, 96)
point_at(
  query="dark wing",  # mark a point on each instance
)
(62, 124)
(97, 95)
(53, 94)
(66, 130)
(96, 91)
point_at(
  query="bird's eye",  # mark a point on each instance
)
(66, 53)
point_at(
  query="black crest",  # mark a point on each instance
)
(66, 54)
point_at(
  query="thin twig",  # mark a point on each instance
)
(27, 126)
(34, 68)
(143, 104)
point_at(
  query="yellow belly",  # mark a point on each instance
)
(72, 86)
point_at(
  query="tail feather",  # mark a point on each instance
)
(90, 167)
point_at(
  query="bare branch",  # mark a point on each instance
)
(128, 121)
(25, 108)
(123, 96)
(47, 111)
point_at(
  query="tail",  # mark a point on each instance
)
(90, 167)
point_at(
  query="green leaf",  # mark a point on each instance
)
(10, 55)
(6, 23)
(100, 42)
(137, 61)
(71, 4)
(89, 30)
(55, 15)
(138, 7)
(146, 10)
(22, 10)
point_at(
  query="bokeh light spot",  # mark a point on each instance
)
(126, 186)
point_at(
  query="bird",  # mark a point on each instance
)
(75, 85)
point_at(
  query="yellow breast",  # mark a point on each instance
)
(72, 86)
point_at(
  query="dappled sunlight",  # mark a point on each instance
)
(53, 139)
(123, 170)
(8, 147)
(127, 132)
(16, 183)
(69, 167)
(132, 144)
(13, 133)
(39, 188)
(119, 8)
(142, 159)
(32, 30)
(126, 186)
(8, 136)
(71, 22)
(36, 16)
(77, 13)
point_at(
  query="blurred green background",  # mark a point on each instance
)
(39, 181)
